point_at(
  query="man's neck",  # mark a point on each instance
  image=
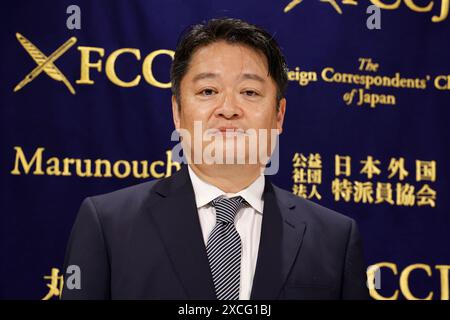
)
(228, 178)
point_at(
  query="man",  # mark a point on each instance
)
(218, 229)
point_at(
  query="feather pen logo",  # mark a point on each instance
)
(44, 63)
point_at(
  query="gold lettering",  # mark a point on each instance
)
(111, 72)
(153, 171)
(87, 172)
(66, 163)
(53, 167)
(382, 5)
(415, 7)
(147, 68)
(444, 281)
(325, 71)
(442, 82)
(98, 168)
(144, 174)
(371, 278)
(404, 281)
(86, 64)
(20, 157)
(171, 164)
(116, 168)
(444, 12)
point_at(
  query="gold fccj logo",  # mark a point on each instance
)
(91, 59)
(44, 63)
(419, 7)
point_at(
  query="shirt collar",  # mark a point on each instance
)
(206, 192)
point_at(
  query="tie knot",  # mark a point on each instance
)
(226, 208)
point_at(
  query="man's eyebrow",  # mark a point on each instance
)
(211, 75)
(205, 75)
(253, 76)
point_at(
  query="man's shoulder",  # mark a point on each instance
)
(141, 191)
(127, 203)
(135, 191)
(131, 199)
(127, 200)
(310, 211)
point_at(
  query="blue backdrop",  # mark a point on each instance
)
(366, 129)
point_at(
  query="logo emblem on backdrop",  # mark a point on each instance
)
(44, 63)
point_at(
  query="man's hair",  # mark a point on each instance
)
(233, 31)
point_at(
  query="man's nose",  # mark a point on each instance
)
(229, 108)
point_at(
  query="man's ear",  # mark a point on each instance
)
(175, 112)
(280, 115)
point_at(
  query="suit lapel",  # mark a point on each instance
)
(281, 237)
(176, 217)
(172, 205)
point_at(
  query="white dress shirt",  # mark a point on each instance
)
(248, 222)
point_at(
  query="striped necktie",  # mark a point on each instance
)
(224, 248)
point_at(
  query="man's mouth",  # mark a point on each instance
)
(229, 131)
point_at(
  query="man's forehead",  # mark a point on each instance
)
(233, 53)
(198, 76)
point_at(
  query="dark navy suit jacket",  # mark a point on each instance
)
(145, 242)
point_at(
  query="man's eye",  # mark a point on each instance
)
(207, 92)
(250, 93)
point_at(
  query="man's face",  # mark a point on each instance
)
(227, 87)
